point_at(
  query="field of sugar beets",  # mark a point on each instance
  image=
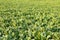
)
(29, 20)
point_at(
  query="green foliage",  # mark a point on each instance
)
(29, 20)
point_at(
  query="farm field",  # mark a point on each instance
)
(29, 19)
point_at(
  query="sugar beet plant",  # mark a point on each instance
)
(31, 23)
